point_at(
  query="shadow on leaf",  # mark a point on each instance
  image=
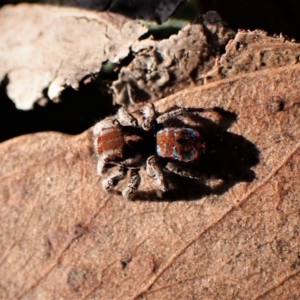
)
(227, 161)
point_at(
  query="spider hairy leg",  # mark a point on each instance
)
(149, 116)
(133, 184)
(171, 115)
(181, 111)
(101, 167)
(111, 181)
(126, 118)
(183, 172)
(153, 170)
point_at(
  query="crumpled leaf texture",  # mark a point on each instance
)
(195, 56)
(251, 51)
(161, 68)
(63, 237)
(50, 47)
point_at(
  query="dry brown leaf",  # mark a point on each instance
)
(63, 238)
(193, 57)
(47, 47)
(252, 51)
(161, 68)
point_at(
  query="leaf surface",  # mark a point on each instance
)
(63, 237)
(49, 48)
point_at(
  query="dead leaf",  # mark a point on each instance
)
(161, 68)
(195, 57)
(49, 48)
(252, 51)
(62, 237)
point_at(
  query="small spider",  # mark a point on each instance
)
(123, 143)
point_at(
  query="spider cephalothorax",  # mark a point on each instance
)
(123, 143)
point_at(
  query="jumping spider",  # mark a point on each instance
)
(123, 143)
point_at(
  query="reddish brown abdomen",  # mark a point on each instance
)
(111, 143)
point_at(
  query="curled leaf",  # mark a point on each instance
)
(45, 48)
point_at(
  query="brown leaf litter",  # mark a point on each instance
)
(63, 237)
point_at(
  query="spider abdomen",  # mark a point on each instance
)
(110, 143)
(181, 144)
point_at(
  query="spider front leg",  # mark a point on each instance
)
(126, 118)
(179, 112)
(101, 167)
(112, 180)
(153, 170)
(171, 115)
(133, 184)
(149, 116)
(183, 172)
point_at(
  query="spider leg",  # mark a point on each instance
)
(149, 116)
(125, 118)
(101, 167)
(171, 115)
(133, 162)
(183, 172)
(180, 111)
(133, 184)
(111, 181)
(154, 170)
